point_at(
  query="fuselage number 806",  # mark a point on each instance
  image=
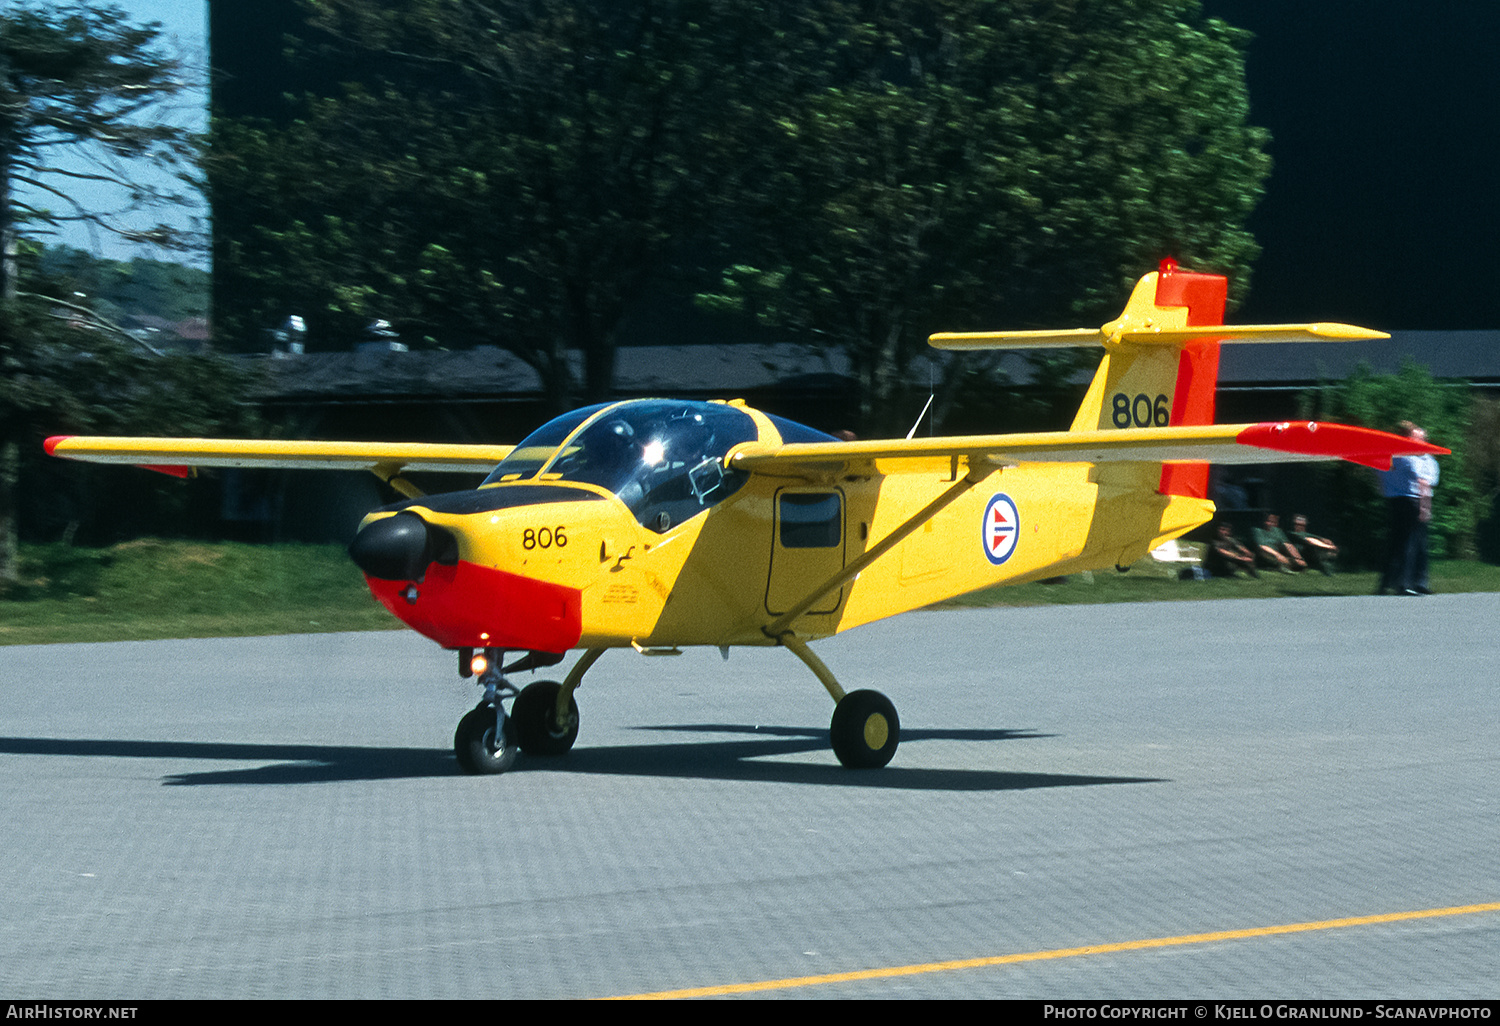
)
(544, 537)
(1142, 411)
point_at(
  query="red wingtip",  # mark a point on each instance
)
(51, 444)
(1339, 441)
(169, 470)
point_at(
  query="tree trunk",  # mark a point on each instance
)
(10, 467)
(9, 245)
(10, 451)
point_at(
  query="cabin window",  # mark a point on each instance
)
(811, 520)
(791, 431)
(664, 459)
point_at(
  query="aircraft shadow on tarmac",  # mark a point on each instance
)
(749, 758)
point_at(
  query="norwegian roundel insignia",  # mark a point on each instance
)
(1001, 529)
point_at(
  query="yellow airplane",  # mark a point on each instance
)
(655, 524)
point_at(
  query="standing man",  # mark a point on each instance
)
(1407, 488)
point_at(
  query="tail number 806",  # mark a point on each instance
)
(1142, 411)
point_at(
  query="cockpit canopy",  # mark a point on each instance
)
(663, 458)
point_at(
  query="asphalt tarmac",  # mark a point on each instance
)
(283, 817)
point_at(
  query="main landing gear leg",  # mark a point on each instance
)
(865, 729)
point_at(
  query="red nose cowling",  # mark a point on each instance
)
(413, 570)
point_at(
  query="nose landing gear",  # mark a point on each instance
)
(543, 717)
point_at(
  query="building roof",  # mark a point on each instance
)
(374, 376)
(488, 374)
(1470, 355)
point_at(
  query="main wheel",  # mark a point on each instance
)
(479, 748)
(865, 730)
(535, 716)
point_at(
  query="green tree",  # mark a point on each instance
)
(1482, 452)
(516, 173)
(159, 288)
(78, 83)
(978, 163)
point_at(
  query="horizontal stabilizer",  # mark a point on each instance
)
(1071, 338)
(1114, 333)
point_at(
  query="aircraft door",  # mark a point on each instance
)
(807, 548)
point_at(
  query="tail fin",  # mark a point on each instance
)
(1161, 360)
(1162, 385)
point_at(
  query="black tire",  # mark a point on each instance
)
(475, 744)
(535, 715)
(865, 730)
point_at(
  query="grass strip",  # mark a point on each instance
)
(149, 589)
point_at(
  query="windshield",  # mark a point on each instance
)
(537, 448)
(664, 459)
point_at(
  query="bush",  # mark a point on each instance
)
(1449, 411)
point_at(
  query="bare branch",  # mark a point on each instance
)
(83, 80)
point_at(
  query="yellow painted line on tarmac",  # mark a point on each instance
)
(1042, 956)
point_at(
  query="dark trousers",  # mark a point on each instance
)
(1406, 541)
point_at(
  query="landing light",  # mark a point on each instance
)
(478, 664)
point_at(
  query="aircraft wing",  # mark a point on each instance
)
(175, 455)
(1283, 442)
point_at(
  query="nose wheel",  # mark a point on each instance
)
(485, 741)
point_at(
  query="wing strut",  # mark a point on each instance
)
(390, 473)
(780, 627)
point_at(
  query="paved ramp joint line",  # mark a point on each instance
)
(1041, 956)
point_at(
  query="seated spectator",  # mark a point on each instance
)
(1318, 552)
(1274, 549)
(1226, 555)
